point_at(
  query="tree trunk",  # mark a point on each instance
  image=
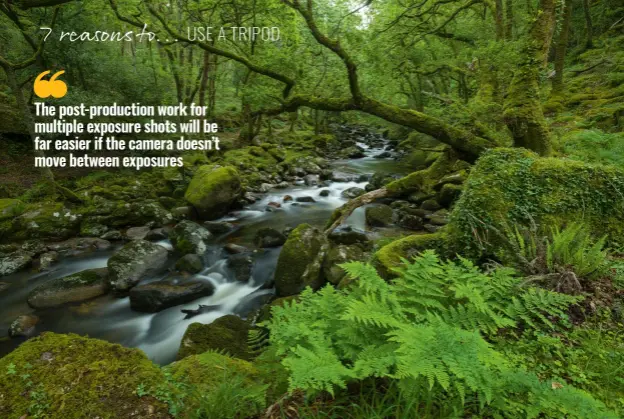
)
(204, 79)
(212, 86)
(561, 47)
(523, 111)
(498, 20)
(589, 42)
(509, 20)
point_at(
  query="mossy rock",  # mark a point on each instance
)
(378, 215)
(10, 208)
(298, 264)
(449, 194)
(227, 334)
(125, 213)
(73, 288)
(72, 377)
(134, 262)
(214, 190)
(14, 262)
(210, 373)
(44, 221)
(188, 237)
(388, 258)
(264, 313)
(517, 187)
(340, 254)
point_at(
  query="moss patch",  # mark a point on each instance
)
(71, 377)
(389, 257)
(213, 190)
(218, 386)
(515, 186)
(295, 265)
(227, 334)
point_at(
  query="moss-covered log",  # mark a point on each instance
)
(422, 180)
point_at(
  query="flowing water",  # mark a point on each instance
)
(159, 334)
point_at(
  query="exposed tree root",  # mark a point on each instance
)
(341, 214)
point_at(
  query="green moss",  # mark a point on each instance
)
(10, 208)
(227, 334)
(78, 287)
(425, 180)
(213, 189)
(515, 186)
(218, 386)
(74, 377)
(378, 215)
(45, 220)
(250, 158)
(389, 257)
(293, 271)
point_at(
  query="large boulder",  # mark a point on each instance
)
(378, 215)
(213, 190)
(74, 288)
(517, 187)
(188, 237)
(42, 220)
(346, 234)
(241, 266)
(15, 262)
(227, 334)
(79, 245)
(23, 326)
(340, 254)
(352, 192)
(75, 377)
(269, 237)
(159, 295)
(191, 263)
(299, 262)
(133, 262)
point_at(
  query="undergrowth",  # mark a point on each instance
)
(429, 333)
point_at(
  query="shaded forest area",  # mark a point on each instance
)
(417, 211)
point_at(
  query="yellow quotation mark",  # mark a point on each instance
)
(53, 87)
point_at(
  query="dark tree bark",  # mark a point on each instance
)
(204, 79)
(509, 20)
(589, 41)
(498, 20)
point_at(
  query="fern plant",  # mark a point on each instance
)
(426, 328)
(563, 259)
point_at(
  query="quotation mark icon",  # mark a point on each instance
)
(53, 87)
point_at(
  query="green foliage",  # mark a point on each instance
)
(231, 398)
(595, 146)
(510, 187)
(560, 250)
(426, 330)
(590, 358)
(213, 385)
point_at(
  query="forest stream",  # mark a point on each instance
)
(159, 334)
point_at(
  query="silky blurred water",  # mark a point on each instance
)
(159, 334)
